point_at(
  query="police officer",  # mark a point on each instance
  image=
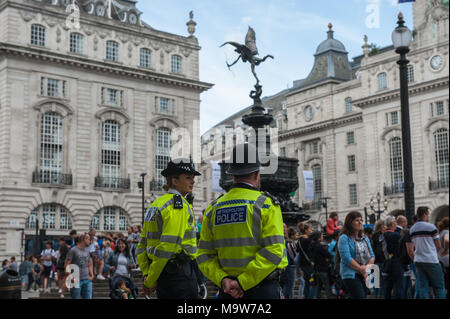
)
(241, 246)
(168, 241)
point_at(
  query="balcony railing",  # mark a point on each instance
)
(112, 182)
(49, 177)
(394, 189)
(438, 184)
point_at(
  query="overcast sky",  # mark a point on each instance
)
(290, 30)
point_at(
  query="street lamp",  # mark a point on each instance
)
(141, 185)
(379, 211)
(325, 205)
(402, 38)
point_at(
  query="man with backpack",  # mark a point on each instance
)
(47, 258)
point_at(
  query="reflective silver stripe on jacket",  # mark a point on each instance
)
(140, 251)
(205, 245)
(274, 259)
(256, 219)
(235, 263)
(190, 234)
(202, 258)
(152, 235)
(163, 254)
(190, 249)
(234, 242)
(271, 240)
(171, 239)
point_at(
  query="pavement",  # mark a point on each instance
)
(30, 294)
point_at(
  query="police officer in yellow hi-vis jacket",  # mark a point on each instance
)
(241, 246)
(168, 243)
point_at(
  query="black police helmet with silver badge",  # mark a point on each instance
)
(244, 160)
(178, 166)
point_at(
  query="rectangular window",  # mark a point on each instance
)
(348, 105)
(145, 58)
(38, 35)
(176, 64)
(350, 138)
(64, 220)
(317, 178)
(111, 97)
(51, 152)
(382, 81)
(163, 145)
(394, 118)
(440, 108)
(109, 218)
(49, 216)
(111, 154)
(76, 43)
(351, 163)
(53, 87)
(163, 105)
(112, 51)
(410, 73)
(283, 151)
(123, 222)
(314, 148)
(353, 194)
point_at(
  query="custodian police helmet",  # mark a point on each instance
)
(244, 160)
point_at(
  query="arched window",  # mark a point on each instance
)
(51, 216)
(110, 218)
(317, 178)
(163, 145)
(111, 154)
(176, 66)
(396, 164)
(76, 42)
(38, 35)
(146, 58)
(441, 156)
(51, 156)
(382, 81)
(112, 50)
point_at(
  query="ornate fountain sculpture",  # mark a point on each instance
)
(285, 180)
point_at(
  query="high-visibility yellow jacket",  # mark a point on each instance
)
(167, 230)
(242, 236)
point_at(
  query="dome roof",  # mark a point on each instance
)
(330, 44)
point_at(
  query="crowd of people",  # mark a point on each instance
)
(110, 257)
(390, 261)
(332, 264)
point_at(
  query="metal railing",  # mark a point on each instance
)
(437, 184)
(393, 189)
(50, 177)
(112, 182)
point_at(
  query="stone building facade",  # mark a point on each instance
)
(342, 122)
(83, 112)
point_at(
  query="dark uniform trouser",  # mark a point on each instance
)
(266, 289)
(177, 281)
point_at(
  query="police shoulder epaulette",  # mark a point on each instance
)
(177, 202)
(273, 198)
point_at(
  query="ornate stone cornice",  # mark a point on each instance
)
(41, 54)
(395, 94)
(345, 120)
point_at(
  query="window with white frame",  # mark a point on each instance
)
(164, 105)
(438, 108)
(50, 216)
(176, 66)
(145, 58)
(396, 164)
(110, 218)
(53, 87)
(111, 154)
(283, 151)
(112, 97)
(348, 104)
(317, 179)
(51, 148)
(163, 145)
(65, 222)
(392, 118)
(441, 155)
(112, 50)
(382, 81)
(38, 34)
(351, 163)
(314, 148)
(76, 43)
(350, 138)
(353, 192)
(410, 73)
